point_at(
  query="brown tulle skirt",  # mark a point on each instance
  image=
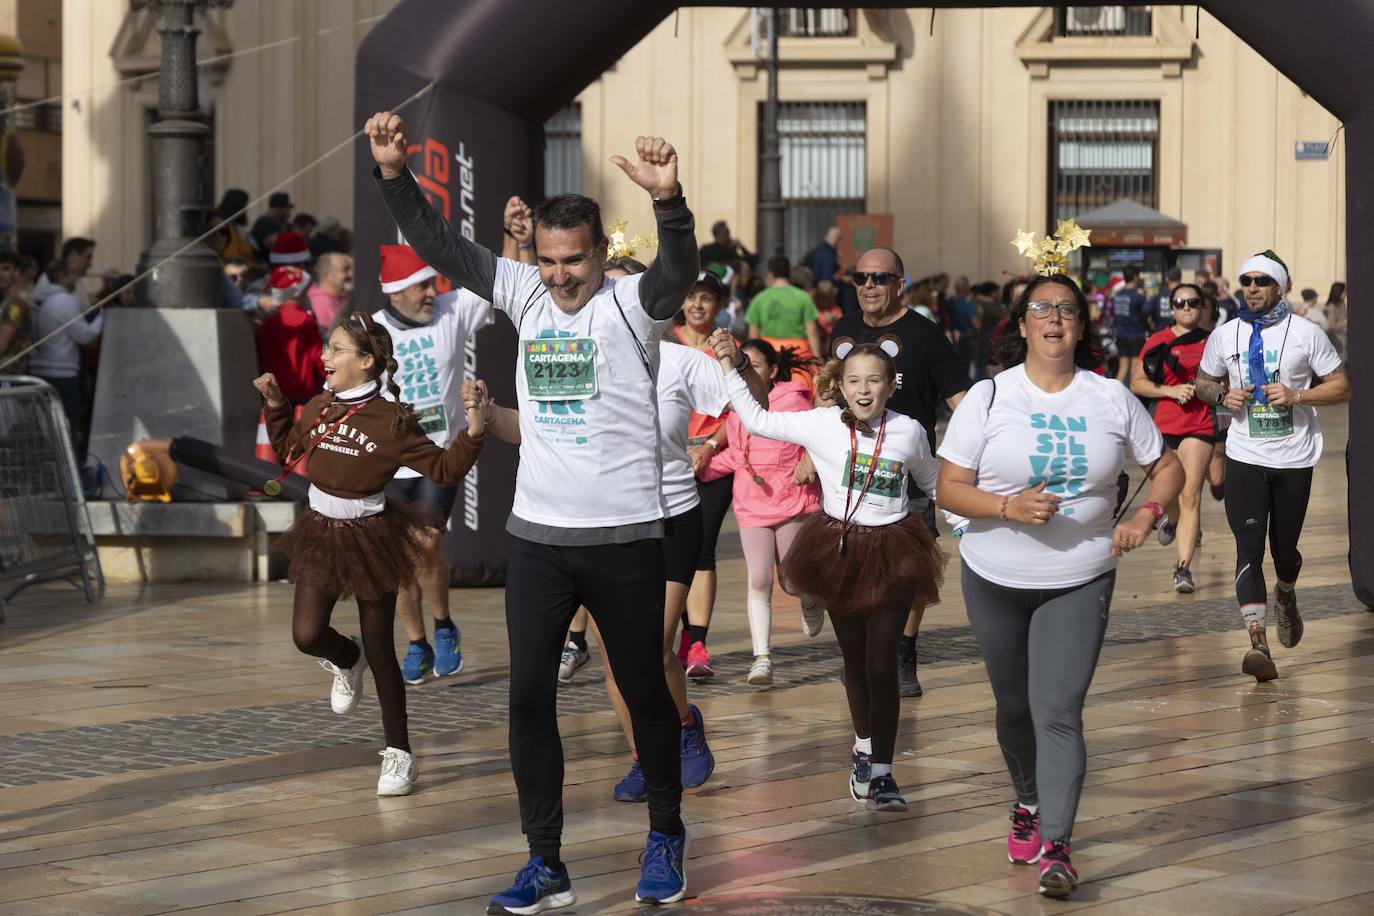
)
(897, 564)
(369, 557)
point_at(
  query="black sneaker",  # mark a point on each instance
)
(1258, 664)
(1289, 620)
(1183, 580)
(883, 795)
(908, 684)
(860, 777)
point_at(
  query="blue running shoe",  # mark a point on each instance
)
(632, 788)
(419, 661)
(663, 871)
(697, 759)
(860, 777)
(537, 888)
(448, 651)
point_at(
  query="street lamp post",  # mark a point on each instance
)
(770, 239)
(179, 143)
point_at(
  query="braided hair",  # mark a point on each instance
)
(374, 340)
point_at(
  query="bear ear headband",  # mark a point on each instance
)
(889, 345)
(1050, 256)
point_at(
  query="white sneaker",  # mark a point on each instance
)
(348, 682)
(813, 616)
(571, 659)
(398, 772)
(761, 671)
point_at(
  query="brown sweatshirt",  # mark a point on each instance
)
(360, 457)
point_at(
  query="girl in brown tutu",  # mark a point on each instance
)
(352, 541)
(862, 556)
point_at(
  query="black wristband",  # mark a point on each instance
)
(672, 201)
(506, 230)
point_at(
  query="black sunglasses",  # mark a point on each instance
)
(1260, 280)
(1187, 304)
(879, 277)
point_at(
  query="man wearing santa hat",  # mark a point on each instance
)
(1262, 368)
(428, 334)
(289, 344)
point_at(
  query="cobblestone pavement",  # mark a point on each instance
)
(75, 753)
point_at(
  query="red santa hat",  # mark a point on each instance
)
(289, 248)
(402, 268)
(287, 283)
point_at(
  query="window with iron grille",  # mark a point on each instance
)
(831, 22)
(823, 169)
(46, 117)
(563, 152)
(1102, 152)
(1104, 21)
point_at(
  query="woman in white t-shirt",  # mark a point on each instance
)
(864, 556)
(1032, 459)
(1260, 368)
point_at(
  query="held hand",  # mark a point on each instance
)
(269, 389)
(1033, 506)
(805, 472)
(656, 168)
(386, 133)
(698, 455)
(1235, 398)
(1280, 395)
(475, 405)
(1130, 535)
(519, 220)
(1183, 393)
(722, 344)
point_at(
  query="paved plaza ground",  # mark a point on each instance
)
(168, 749)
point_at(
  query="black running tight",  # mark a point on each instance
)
(314, 636)
(868, 643)
(1259, 501)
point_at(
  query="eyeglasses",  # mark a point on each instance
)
(330, 350)
(1067, 310)
(1186, 304)
(1260, 280)
(879, 277)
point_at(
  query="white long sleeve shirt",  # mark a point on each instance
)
(826, 438)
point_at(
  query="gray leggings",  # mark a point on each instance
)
(1040, 647)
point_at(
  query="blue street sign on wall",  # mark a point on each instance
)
(1307, 149)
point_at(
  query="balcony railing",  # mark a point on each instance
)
(1104, 21)
(830, 22)
(46, 117)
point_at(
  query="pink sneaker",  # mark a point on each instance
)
(699, 661)
(1023, 842)
(684, 646)
(1058, 877)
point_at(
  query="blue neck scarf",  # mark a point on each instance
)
(1258, 321)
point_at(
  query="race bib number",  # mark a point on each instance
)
(560, 368)
(1267, 421)
(433, 421)
(887, 480)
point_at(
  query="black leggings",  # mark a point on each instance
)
(1260, 500)
(622, 586)
(314, 636)
(716, 497)
(870, 673)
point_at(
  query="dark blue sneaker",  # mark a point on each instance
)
(697, 759)
(632, 788)
(860, 777)
(663, 869)
(537, 888)
(419, 661)
(448, 654)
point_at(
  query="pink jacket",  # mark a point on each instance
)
(779, 499)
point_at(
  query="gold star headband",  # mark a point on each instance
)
(1050, 257)
(622, 247)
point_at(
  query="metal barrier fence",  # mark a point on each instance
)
(45, 530)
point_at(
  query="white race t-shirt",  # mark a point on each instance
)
(1079, 440)
(688, 380)
(430, 363)
(1260, 434)
(826, 438)
(589, 445)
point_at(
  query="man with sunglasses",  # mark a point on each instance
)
(928, 371)
(1263, 367)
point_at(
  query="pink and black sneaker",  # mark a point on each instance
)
(1023, 842)
(1058, 877)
